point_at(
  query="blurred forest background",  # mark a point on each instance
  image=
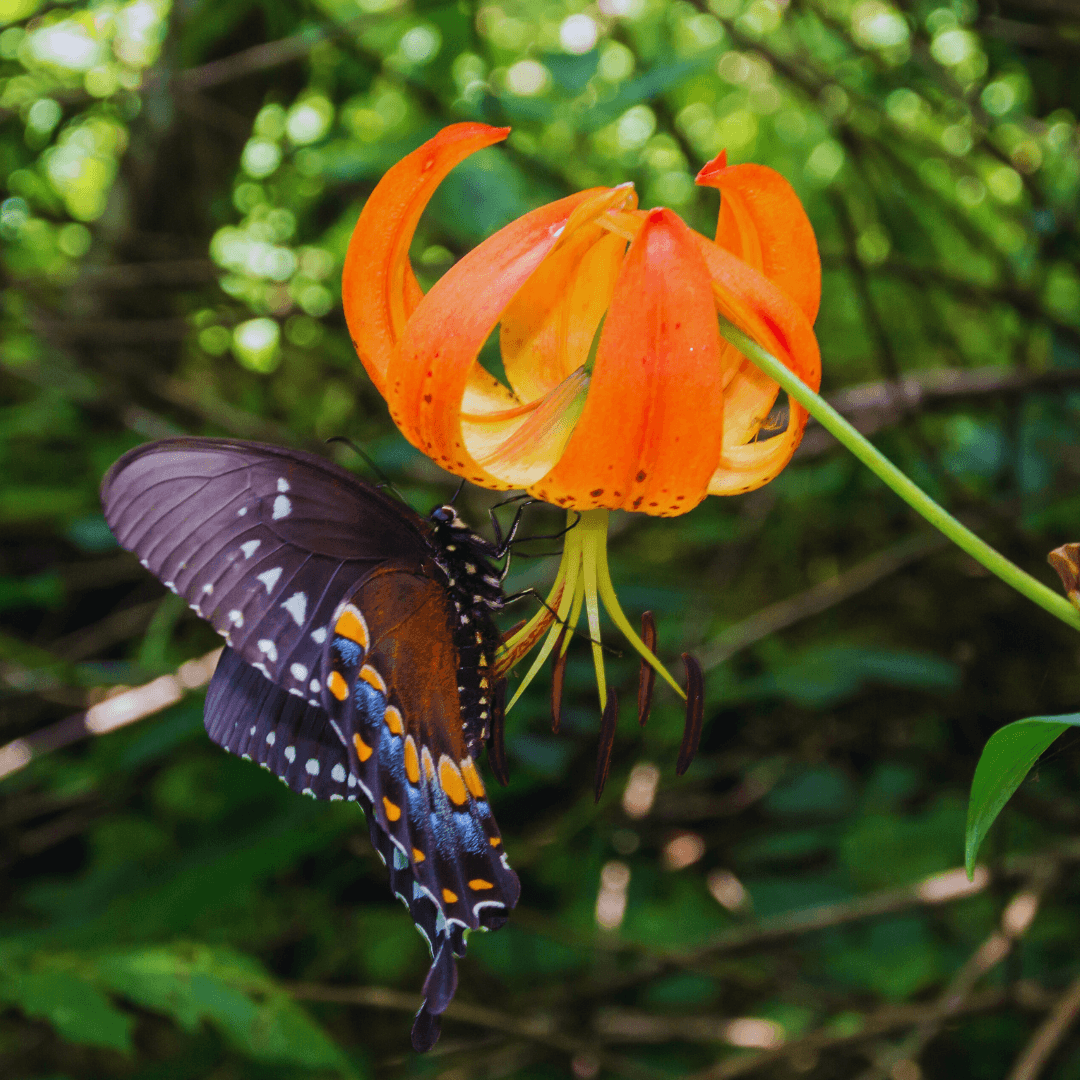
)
(181, 180)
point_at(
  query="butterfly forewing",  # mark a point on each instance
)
(261, 542)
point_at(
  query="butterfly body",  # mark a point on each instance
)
(359, 658)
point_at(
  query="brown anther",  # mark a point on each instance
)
(608, 723)
(557, 672)
(497, 747)
(512, 631)
(695, 713)
(1066, 561)
(647, 678)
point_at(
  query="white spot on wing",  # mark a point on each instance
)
(312, 766)
(314, 686)
(236, 618)
(282, 507)
(268, 647)
(282, 484)
(242, 511)
(249, 547)
(338, 773)
(290, 754)
(208, 589)
(296, 606)
(271, 738)
(298, 672)
(270, 578)
(319, 636)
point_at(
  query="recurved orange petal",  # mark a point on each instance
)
(378, 287)
(437, 354)
(548, 329)
(762, 221)
(650, 434)
(770, 316)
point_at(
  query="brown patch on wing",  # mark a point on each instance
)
(410, 622)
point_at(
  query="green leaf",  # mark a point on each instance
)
(232, 992)
(57, 991)
(1006, 759)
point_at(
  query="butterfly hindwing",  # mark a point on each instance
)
(251, 717)
(391, 685)
(262, 542)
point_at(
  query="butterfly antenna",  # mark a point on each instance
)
(460, 489)
(386, 481)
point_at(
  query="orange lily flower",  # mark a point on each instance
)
(622, 392)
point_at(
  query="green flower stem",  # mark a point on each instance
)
(886, 471)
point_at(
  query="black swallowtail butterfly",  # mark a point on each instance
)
(358, 662)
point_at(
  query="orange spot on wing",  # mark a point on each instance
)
(472, 779)
(412, 762)
(429, 765)
(337, 686)
(494, 841)
(479, 883)
(373, 678)
(451, 781)
(393, 811)
(393, 721)
(363, 751)
(351, 624)
(449, 897)
(418, 855)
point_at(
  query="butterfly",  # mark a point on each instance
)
(358, 660)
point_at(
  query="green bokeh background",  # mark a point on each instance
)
(180, 184)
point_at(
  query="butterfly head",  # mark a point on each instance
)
(447, 516)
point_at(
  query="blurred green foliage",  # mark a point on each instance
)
(181, 181)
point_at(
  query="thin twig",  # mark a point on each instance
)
(1017, 917)
(539, 1030)
(1048, 1036)
(885, 1020)
(819, 598)
(123, 708)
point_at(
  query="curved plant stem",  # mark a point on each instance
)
(886, 471)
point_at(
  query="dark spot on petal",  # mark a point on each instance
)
(638, 501)
(597, 493)
(640, 476)
(427, 398)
